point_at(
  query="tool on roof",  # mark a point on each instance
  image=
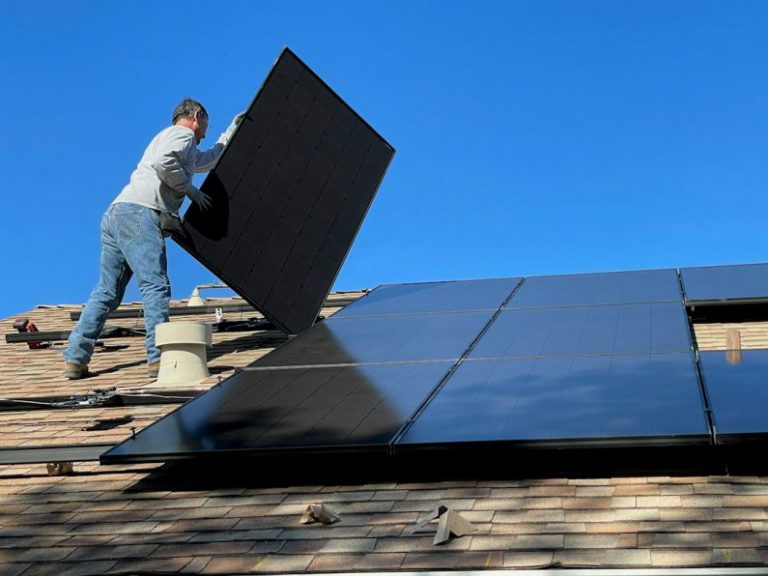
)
(25, 326)
(29, 333)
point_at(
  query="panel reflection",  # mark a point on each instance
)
(292, 408)
(381, 339)
(738, 390)
(565, 398)
(425, 297)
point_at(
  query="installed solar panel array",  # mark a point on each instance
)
(605, 357)
(576, 358)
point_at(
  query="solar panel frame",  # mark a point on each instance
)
(290, 193)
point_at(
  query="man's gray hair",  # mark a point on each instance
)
(189, 108)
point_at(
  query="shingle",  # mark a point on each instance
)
(277, 563)
(600, 541)
(111, 552)
(736, 556)
(528, 559)
(579, 558)
(332, 546)
(34, 554)
(201, 549)
(360, 562)
(419, 543)
(78, 569)
(229, 565)
(676, 540)
(522, 541)
(672, 558)
(628, 557)
(154, 565)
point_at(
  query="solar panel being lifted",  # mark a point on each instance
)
(289, 195)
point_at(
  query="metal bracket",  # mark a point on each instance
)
(451, 522)
(60, 468)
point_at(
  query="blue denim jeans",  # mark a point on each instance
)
(131, 243)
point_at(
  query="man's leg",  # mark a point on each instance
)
(114, 275)
(147, 258)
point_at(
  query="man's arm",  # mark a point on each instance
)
(168, 163)
(205, 161)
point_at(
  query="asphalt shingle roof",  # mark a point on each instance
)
(171, 518)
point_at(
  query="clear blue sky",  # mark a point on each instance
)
(532, 137)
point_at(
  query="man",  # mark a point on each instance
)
(134, 227)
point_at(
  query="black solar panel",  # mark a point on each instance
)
(431, 297)
(594, 289)
(289, 194)
(263, 411)
(625, 398)
(724, 283)
(586, 330)
(382, 339)
(418, 366)
(736, 384)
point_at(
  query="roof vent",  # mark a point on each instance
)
(183, 360)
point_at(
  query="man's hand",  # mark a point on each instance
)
(201, 199)
(226, 136)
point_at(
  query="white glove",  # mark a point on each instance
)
(226, 136)
(201, 199)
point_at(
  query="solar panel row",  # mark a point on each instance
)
(437, 363)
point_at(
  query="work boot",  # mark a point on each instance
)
(75, 371)
(153, 369)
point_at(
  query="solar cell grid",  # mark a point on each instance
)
(597, 289)
(586, 330)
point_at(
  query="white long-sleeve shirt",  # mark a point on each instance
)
(164, 175)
